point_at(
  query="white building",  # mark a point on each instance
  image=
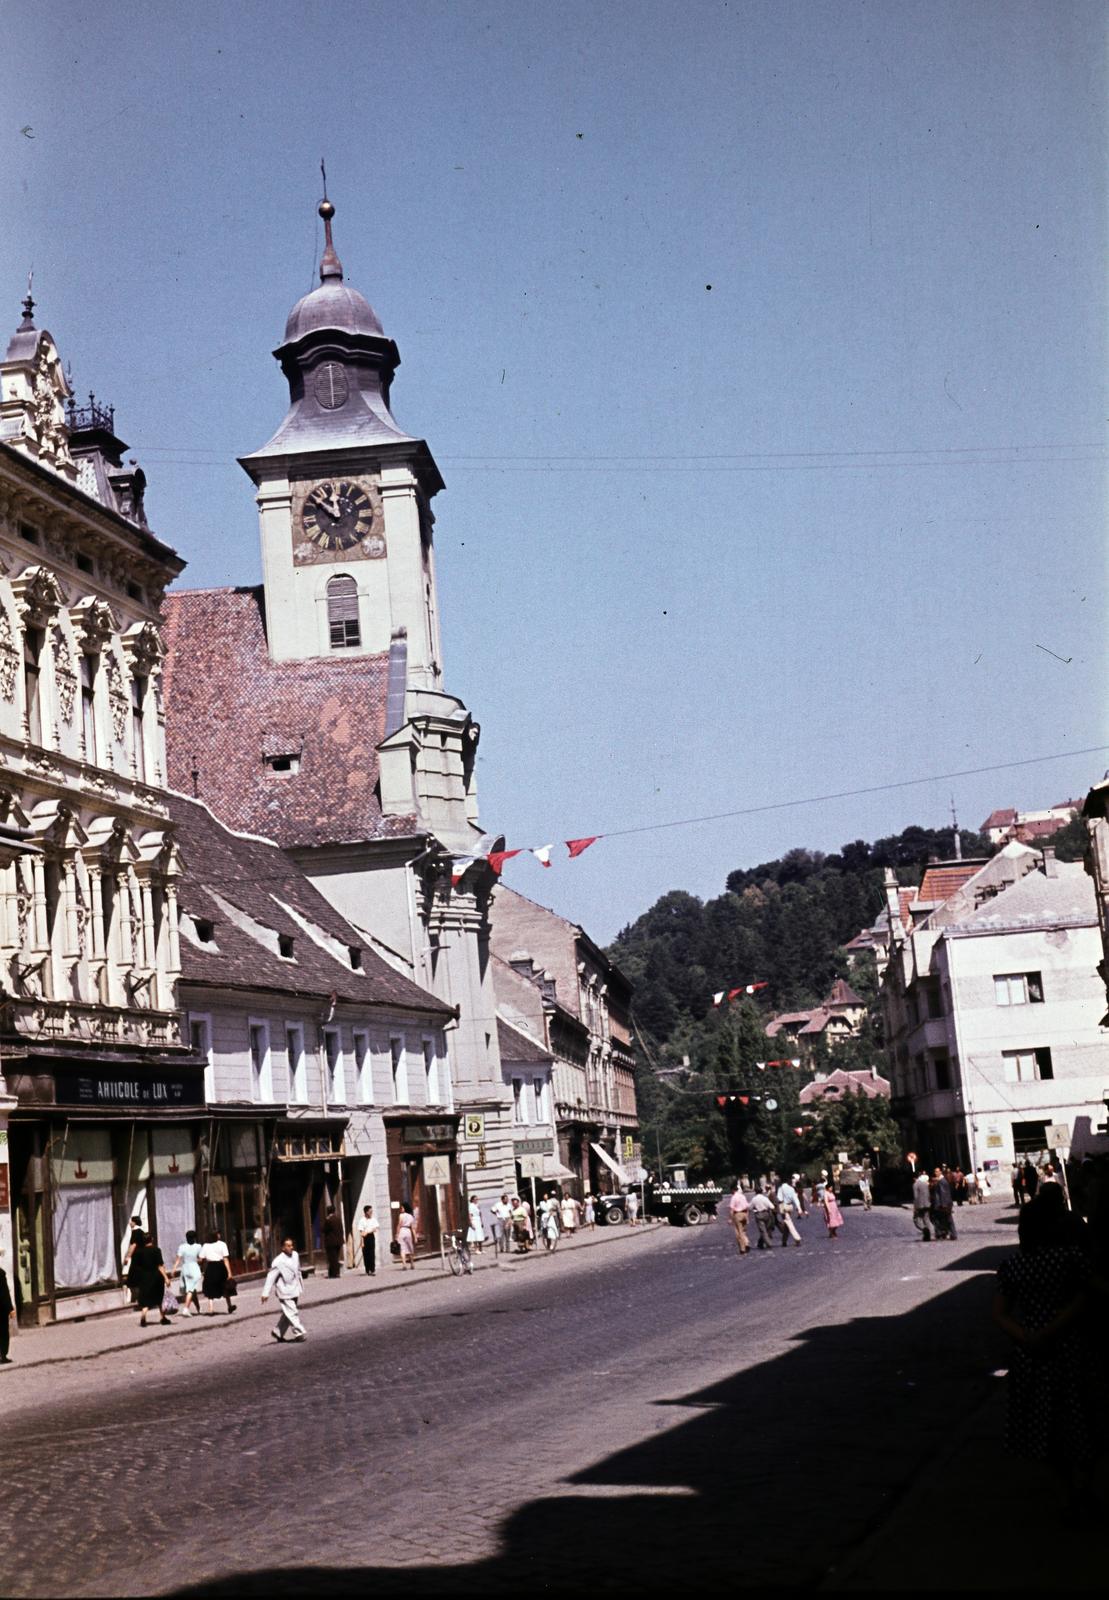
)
(328, 1077)
(312, 710)
(992, 1005)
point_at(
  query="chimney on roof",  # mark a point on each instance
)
(1051, 867)
(893, 906)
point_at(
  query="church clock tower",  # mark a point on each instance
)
(344, 494)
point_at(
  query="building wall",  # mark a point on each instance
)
(1066, 1023)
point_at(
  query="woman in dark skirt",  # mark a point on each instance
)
(148, 1278)
(217, 1283)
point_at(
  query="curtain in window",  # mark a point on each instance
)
(175, 1207)
(84, 1243)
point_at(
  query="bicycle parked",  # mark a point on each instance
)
(456, 1253)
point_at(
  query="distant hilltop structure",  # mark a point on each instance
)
(1002, 826)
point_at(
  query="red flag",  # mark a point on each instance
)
(722, 1100)
(733, 992)
(497, 858)
(752, 988)
(576, 846)
(745, 1099)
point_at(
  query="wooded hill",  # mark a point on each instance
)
(784, 923)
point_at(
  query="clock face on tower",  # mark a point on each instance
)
(336, 515)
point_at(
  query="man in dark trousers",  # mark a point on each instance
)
(7, 1312)
(333, 1241)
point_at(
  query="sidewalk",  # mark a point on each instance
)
(84, 1340)
(974, 1518)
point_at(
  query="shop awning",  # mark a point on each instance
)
(610, 1162)
(555, 1169)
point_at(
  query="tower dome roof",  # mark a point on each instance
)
(333, 306)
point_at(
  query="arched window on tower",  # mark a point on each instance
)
(342, 614)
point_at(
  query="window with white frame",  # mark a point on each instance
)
(398, 1061)
(200, 1037)
(519, 1103)
(1018, 988)
(261, 1071)
(298, 1066)
(1027, 1066)
(537, 1090)
(335, 1078)
(431, 1073)
(363, 1067)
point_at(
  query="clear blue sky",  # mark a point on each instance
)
(701, 548)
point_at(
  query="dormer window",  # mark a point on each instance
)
(342, 614)
(355, 958)
(283, 765)
(285, 945)
(205, 930)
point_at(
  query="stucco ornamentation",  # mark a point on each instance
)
(9, 657)
(65, 674)
(118, 699)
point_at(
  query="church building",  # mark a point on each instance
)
(311, 710)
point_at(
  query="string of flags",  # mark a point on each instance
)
(791, 1061)
(729, 995)
(460, 865)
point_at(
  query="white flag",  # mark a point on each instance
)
(542, 854)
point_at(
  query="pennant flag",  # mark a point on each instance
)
(762, 1065)
(752, 988)
(718, 999)
(796, 1062)
(797, 1131)
(733, 992)
(745, 1099)
(460, 865)
(721, 1100)
(542, 854)
(576, 846)
(497, 858)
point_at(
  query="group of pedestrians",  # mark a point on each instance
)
(774, 1205)
(205, 1270)
(515, 1223)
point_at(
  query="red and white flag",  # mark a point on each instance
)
(460, 865)
(542, 854)
(576, 846)
(497, 858)
(718, 999)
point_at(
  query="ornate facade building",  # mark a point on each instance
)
(99, 1088)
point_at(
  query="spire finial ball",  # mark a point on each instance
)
(327, 210)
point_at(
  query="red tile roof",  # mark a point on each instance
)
(942, 881)
(228, 704)
(1000, 819)
(839, 1083)
(842, 994)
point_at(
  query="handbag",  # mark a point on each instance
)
(170, 1307)
(394, 1248)
(230, 1289)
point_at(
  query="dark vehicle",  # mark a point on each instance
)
(684, 1204)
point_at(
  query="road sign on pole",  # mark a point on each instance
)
(437, 1170)
(1058, 1136)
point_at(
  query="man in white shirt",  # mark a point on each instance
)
(284, 1275)
(502, 1225)
(737, 1211)
(367, 1235)
(788, 1203)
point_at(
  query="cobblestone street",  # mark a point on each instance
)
(614, 1417)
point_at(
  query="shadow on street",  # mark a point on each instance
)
(771, 1476)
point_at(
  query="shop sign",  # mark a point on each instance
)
(437, 1170)
(533, 1147)
(127, 1088)
(629, 1146)
(427, 1132)
(474, 1123)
